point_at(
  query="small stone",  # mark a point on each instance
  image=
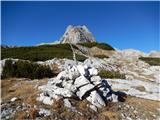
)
(7, 117)
(127, 106)
(93, 108)
(18, 107)
(128, 118)
(44, 112)
(13, 99)
(154, 115)
(135, 112)
(93, 71)
(96, 80)
(67, 103)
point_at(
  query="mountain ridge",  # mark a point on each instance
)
(77, 34)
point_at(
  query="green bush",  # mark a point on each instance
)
(103, 46)
(38, 53)
(46, 52)
(101, 56)
(81, 58)
(25, 69)
(151, 61)
(111, 74)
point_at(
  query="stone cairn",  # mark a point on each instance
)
(80, 82)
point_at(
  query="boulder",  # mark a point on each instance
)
(96, 99)
(83, 90)
(93, 71)
(81, 69)
(96, 80)
(80, 81)
(45, 99)
(67, 103)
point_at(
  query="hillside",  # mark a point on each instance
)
(47, 52)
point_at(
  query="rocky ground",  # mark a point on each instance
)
(21, 97)
(19, 102)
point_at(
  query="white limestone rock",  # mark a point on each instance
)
(84, 89)
(63, 92)
(154, 54)
(80, 81)
(67, 103)
(69, 85)
(44, 112)
(96, 99)
(93, 71)
(96, 80)
(81, 69)
(113, 98)
(62, 75)
(93, 108)
(13, 99)
(45, 99)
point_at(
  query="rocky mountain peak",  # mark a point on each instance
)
(77, 34)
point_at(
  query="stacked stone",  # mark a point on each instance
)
(80, 82)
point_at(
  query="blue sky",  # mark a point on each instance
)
(120, 24)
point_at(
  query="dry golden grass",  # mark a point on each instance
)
(109, 115)
(33, 113)
(6, 86)
(83, 105)
(21, 115)
(26, 90)
(145, 104)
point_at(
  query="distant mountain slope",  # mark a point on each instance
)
(39, 53)
(47, 52)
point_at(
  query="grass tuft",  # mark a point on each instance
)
(101, 56)
(111, 74)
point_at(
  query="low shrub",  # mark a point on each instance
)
(80, 58)
(38, 53)
(111, 74)
(103, 46)
(41, 53)
(151, 61)
(101, 56)
(25, 69)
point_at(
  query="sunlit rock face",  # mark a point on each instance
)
(77, 34)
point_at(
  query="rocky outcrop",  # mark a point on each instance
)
(77, 34)
(154, 54)
(80, 82)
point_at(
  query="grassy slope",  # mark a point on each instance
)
(40, 53)
(151, 61)
(46, 52)
(103, 46)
